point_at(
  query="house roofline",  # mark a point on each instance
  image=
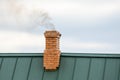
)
(93, 55)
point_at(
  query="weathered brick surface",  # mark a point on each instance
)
(52, 53)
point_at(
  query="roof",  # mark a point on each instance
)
(29, 66)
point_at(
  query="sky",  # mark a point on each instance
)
(87, 26)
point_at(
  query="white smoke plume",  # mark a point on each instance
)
(13, 13)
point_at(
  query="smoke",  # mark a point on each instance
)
(18, 15)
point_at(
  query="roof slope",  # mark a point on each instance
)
(72, 67)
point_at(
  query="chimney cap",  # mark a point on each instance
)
(52, 33)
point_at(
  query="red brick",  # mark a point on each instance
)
(52, 52)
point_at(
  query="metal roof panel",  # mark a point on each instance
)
(72, 67)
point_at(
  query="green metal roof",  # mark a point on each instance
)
(29, 66)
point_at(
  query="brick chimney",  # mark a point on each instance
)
(52, 52)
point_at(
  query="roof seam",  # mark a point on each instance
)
(104, 68)
(1, 63)
(74, 68)
(89, 69)
(29, 68)
(14, 68)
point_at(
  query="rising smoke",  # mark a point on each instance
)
(23, 17)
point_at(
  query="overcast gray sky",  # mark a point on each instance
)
(89, 26)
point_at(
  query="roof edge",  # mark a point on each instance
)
(62, 54)
(96, 55)
(20, 54)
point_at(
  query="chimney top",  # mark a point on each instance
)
(52, 33)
